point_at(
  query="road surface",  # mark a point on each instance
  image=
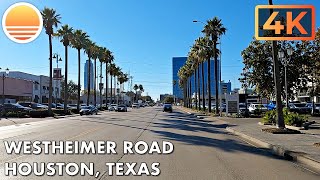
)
(203, 150)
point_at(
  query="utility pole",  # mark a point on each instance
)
(280, 120)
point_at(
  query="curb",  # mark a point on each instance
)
(280, 151)
(192, 114)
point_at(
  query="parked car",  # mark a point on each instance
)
(15, 108)
(136, 105)
(243, 110)
(122, 108)
(33, 105)
(53, 105)
(316, 109)
(167, 108)
(88, 110)
(300, 108)
(257, 108)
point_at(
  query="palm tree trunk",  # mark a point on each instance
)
(79, 85)
(50, 75)
(209, 85)
(278, 87)
(216, 75)
(89, 74)
(106, 85)
(115, 89)
(203, 89)
(66, 80)
(111, 89)
(100, 88)
(199, 108)
(190, 93)
(195, 87)
(95, 83)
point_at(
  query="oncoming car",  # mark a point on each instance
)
(167, 108)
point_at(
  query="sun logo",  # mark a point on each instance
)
(22, 22)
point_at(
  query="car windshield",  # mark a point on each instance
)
(167, 105)
(121, 106)
(300, 105)
(18, 105)
(85, 107)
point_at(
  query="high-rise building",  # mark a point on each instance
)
(86, 72)
(178, 62)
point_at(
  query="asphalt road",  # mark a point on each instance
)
(202, 150)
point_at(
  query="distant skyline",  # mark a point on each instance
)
(144, 35)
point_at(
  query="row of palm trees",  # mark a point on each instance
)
(79, 40)
(203, 50)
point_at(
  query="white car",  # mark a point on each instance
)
(135, 105)
(113, 107)
(253, 107)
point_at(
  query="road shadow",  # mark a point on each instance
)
(190, 130)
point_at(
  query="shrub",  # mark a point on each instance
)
(294, 119)
(290, 118)
(40, 113)
(270, 117)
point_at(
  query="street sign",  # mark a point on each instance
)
(232, 103)
(57, 74)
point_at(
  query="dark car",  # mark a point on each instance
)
(300, 108)
(33, 105)
(167, 108)
(15, 108)
(88, 110)
(122, 108)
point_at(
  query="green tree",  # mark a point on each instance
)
(135, 88)
(66, 35)
(72, 90)
(50, 20)
(169, 99)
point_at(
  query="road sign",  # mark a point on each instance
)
(232, 103)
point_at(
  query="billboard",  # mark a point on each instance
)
(57, 74)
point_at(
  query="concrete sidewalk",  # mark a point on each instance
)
(297, 147)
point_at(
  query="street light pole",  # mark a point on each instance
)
(56, 56)
(4, 74)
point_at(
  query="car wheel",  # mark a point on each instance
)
(81, 114)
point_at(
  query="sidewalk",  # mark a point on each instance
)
(15, 121)
(297, 147)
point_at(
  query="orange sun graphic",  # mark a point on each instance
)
(22, 22)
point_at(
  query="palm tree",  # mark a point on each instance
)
(214, 29)
(135, 88)
(102, 59)
(89, 45)
(124, 77)
(95, 54)
(112, 68)
(116, 73)
(203, 53)
(50, 19)
(66, 35)
(109, 60)
(78, 42)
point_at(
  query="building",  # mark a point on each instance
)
(39, 87)
(86, 82)
(178, 62)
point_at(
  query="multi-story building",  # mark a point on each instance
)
(40, 87)
(85, 75)
(178, 62)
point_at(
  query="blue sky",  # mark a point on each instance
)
(143, 34)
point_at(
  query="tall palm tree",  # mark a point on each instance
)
(116, 73)
(112, 68)
(95, 54)
(78, 42)
(109, 60)
(135, 88)
(214, 29)
(89, 48)
(66, 35)
(102, 59)
(203, 52)
(124, 77)
(50, 20)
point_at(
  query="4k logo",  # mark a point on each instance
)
(285, 22)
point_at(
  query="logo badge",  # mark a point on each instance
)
(285, 22)
(22, 22)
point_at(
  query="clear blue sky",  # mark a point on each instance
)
(143, 34)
